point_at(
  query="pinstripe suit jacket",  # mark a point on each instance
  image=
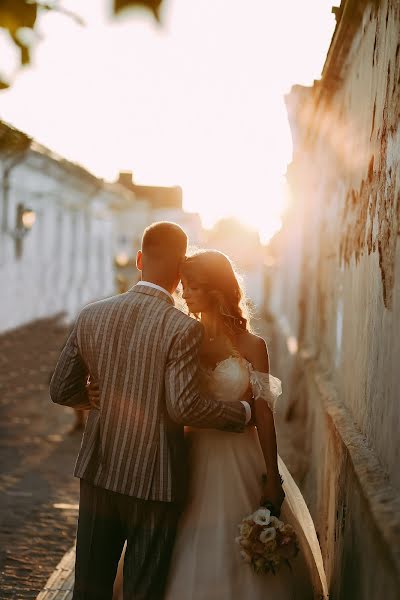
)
(143, 352)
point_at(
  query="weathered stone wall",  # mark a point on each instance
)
(336, 300)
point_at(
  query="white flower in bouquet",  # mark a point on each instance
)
(262, 516)
(267, 535)
(266, 542)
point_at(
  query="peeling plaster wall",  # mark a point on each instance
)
(336, 291)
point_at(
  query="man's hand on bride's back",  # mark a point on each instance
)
(93, 392)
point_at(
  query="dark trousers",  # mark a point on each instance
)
(106, 521)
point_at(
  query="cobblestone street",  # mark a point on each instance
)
(38, 494)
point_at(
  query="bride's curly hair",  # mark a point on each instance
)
(214, 272)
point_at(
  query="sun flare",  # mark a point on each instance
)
(173, 105)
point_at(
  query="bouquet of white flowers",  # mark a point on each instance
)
(266, 542)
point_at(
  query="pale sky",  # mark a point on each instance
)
(197, 102)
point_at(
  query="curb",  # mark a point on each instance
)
(60, 584)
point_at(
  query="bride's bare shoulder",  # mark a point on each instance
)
(251, 342)
(254, 349)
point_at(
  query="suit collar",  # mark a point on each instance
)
(156, 287)
(151, 291)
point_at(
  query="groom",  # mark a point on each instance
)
(144, 355)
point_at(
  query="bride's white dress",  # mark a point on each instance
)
(226, 470)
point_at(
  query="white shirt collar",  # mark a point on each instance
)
(156, 287)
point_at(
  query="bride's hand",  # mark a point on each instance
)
(93, 392)
(273, 494)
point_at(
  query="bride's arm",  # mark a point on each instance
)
(264, 421)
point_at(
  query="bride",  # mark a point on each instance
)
(227, 468)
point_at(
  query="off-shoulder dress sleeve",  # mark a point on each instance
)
(265, 386)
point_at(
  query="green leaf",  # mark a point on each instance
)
(15, 14)
(152, 5)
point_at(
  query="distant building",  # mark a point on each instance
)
(158, 197)
(56, 233)
(165, 204)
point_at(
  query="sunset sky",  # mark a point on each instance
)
(196, 102)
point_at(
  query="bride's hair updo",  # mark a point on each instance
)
(212, 271)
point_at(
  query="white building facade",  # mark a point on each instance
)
(64, 260)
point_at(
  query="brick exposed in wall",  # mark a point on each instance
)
(371, 214)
